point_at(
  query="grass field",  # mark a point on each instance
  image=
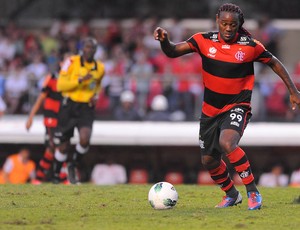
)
(126, 207)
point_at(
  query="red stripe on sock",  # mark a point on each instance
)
(242, 167)
(219, 170)
(45, 165)
(248, 179)
(49, 156)
(228, 187)
(40, 174)
(235, 155)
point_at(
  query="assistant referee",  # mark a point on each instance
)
(79, 82)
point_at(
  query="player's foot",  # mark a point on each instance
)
(254, 200)
(36, 182)
(56, 179)
(72, 173)
(228, 201)
(66, 182)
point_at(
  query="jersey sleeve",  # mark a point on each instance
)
(261, 53)
(194, 42)
(45, 88)
(64, 81)
(101, 69)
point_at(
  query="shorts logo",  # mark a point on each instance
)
(235, 123)
(237, 110)
(201, 143)
(240, 56)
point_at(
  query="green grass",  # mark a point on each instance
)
(126, 207)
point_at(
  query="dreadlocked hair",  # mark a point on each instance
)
(229, 7)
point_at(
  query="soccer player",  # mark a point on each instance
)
(228, 77)
(79, 82)
(50, 99)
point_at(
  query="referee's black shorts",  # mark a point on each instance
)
(236, 118)
(72, 115)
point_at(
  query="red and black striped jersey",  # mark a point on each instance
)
(52, 101)
(227, 69)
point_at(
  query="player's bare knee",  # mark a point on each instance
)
(227, 145)
(209, 163)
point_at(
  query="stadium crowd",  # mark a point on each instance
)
(133, 62)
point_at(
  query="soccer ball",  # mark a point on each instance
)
(162, 195)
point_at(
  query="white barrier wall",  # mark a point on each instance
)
(12, 130)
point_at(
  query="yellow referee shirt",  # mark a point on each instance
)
(75, 68)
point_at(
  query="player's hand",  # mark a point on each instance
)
(28, 124)
(295, 100)
(93, 101)
(160, 34)
(85, 78)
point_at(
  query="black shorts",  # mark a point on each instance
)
(73, 115)
(236, 118)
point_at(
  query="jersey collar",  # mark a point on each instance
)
(233, 41)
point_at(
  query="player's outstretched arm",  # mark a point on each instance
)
(35, 109)
(282, 72)
(171, 49)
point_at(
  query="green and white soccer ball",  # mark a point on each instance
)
(162, 195)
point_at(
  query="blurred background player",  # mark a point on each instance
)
(18, 168)
(79, 82)
(50, 98)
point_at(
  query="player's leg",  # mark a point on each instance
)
(231, 132)
(45, 163)
(211, 156)
(81, 149)
(220, 175)
(62, 136)
(84, 125)
(60, 157)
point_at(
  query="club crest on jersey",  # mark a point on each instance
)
(212, 51)
(240, 55)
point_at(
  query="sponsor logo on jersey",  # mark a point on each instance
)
(212, 51)
(226, 47)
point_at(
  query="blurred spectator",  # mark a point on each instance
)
(141, 73)
(18, 168)
(159, 109)
(295, 178)
(16, 87)
(274, 178)
(117, 68)
(276, 101)
(126, 111)
(37, 70)
(268, 34)
(109, 173)
(2, 107)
